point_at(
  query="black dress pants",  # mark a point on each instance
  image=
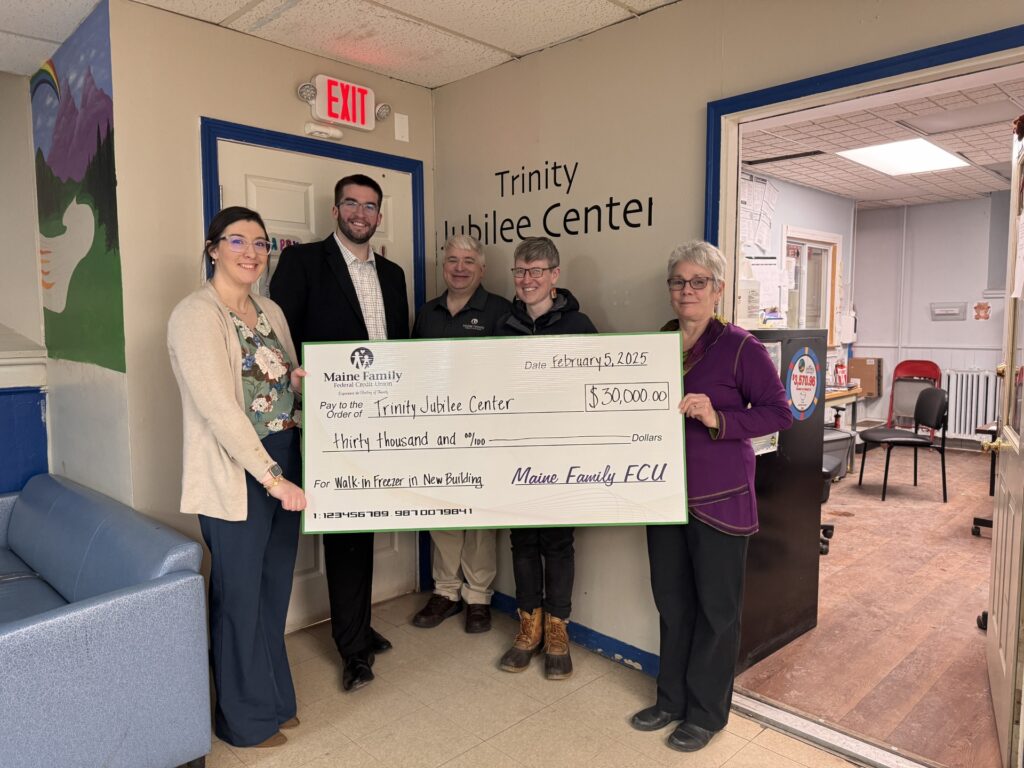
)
(252, 562)
(348, 560)
(697, 579)
(543, 563)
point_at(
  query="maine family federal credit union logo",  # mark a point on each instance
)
(361, 358)
(802, 379)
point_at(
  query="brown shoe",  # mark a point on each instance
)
(437, 609)
(277, 740)
(527, 641)
(478, 618)
(557, 661)
(290, 723)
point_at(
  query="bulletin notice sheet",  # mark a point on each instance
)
(493, 433)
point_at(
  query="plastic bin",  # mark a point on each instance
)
(839, 444)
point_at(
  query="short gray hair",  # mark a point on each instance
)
(533, 249)
(701, 253)
(465, 243)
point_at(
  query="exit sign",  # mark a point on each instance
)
(344, 103)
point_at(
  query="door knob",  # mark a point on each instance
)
(1001, 370)
(995, 446)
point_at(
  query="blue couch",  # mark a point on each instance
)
(103, 650)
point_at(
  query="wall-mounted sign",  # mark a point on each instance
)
(561, 215)
(344, 103)
(279, 242)
(948, 310)
(803, 380)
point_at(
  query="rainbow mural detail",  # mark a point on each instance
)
(45, 75)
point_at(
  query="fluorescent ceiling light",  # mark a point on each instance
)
(902, 157)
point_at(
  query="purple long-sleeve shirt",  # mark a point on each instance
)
(734, 370)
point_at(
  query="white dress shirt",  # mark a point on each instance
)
(367, 285)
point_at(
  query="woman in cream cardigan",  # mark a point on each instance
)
(232, 355)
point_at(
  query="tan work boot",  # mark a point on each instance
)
(557, 661)
(527, 642)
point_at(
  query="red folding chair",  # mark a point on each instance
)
(909, 378)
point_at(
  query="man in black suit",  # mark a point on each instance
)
(340, 290)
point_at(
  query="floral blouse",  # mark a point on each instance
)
(269, 399)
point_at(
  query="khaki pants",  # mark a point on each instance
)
(465, 563)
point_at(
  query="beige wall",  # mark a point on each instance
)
(628, 103)
(168, 72)
(21, 306)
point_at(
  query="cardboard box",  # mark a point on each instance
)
(869, 371)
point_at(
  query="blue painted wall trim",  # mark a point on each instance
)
(968, 48)
(212, 130)
(592, 640)
(23, 426)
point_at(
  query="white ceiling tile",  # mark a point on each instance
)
(23, 55)
(642, 6)
(382, 41)
(216, 11)
(981, 95)
(952, 101)
(982, 91)
(835, 123)
(48, 20)
(861, 117)
(520, 27)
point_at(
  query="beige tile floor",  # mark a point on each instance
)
(440, 700)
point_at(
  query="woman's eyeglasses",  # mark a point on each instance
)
(535, 272)
(676, 284)
(239, 244)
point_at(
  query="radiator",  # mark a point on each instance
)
(973, 401)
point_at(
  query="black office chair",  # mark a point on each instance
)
(930, 413)
(831, 467)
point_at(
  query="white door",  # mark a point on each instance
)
(294, 192)
(1004, 608)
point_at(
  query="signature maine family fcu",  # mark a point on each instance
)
(558, 218)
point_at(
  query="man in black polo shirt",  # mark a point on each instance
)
(464, 563)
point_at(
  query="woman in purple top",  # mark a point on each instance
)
(732, 393)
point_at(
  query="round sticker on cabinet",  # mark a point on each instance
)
(802, 382)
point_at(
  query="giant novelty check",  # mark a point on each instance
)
(493, 433)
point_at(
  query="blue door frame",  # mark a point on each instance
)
(960, 50)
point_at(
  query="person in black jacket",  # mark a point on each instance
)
(542, 558)
(338, 289)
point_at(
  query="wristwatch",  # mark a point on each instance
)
(276, 475)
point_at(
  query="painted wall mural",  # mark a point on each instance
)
(79, 256)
